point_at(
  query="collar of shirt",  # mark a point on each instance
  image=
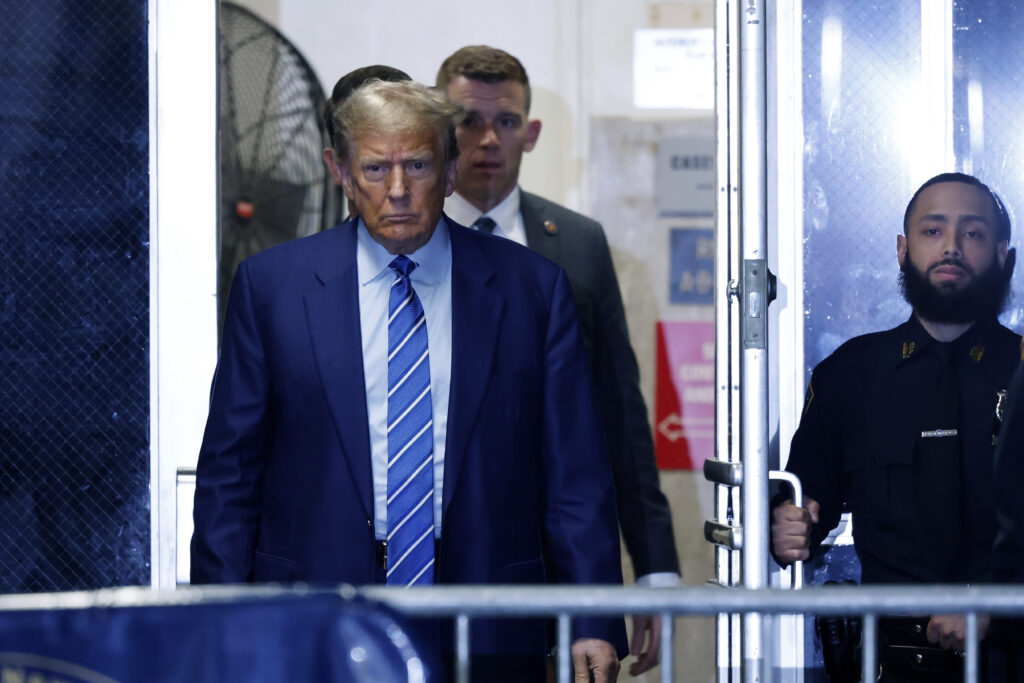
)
(506, 215)
(433, 260)
(912, 332)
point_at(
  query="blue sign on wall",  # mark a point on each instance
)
(692, 266)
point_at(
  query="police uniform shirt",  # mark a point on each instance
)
(860, 442)
(1008, 552)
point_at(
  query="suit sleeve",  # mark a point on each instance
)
(234, 449)
(580, 517)
(643, 509)
(816, 456)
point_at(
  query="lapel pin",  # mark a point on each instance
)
(550, 228)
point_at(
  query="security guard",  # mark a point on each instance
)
(900, 426)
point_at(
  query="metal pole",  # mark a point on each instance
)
(869, 649)
(462, 648)
(727, 326)
(754, 301)
(564, 647)
(971, 660)
(667, 656)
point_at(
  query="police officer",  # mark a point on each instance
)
(899, 426)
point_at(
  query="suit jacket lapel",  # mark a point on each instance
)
(548, 244)
(333, 315)
(477, 310)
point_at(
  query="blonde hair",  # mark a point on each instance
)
(396, 107)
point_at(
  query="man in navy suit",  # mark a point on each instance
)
(494, 89)
(295, 472)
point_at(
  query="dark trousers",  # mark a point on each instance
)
(501, 668)
(906, 656)
(904, 653)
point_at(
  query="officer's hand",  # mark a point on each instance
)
(791, 530)
(950, 630)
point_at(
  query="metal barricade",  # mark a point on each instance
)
(466, 603)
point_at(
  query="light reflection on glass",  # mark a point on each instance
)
(831, 66)
(976, 123)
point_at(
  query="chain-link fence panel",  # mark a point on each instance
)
(860, 58)
(988, 109)
(866, 101)
(74, 295)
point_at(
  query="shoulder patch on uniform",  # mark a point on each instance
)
(976, 352)
(908, 349)
(810, 396)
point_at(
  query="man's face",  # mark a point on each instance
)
(398, 182)
(492, 138)
(951, 258)
(951, 235)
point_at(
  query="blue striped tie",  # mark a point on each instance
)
(410, 437)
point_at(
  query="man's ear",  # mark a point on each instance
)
(339, 171)
(532, 133)
(1011, 260)
(901, 249)
(331, 162)
(451, 174)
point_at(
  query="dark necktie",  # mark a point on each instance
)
(485, 224)
(410, 503)
(939, 473)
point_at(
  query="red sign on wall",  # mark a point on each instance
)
(684, 402)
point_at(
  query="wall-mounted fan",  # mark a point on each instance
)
(273, 184)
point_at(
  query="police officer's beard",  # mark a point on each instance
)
(983, 297)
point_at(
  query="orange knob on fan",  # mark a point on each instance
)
(243, 209)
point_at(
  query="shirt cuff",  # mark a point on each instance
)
(659, 580)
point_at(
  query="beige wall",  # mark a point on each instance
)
(579, 57)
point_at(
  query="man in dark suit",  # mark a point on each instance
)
(403, 400)
(494, 89)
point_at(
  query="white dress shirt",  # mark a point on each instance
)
(432, 280)
(506, 215)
